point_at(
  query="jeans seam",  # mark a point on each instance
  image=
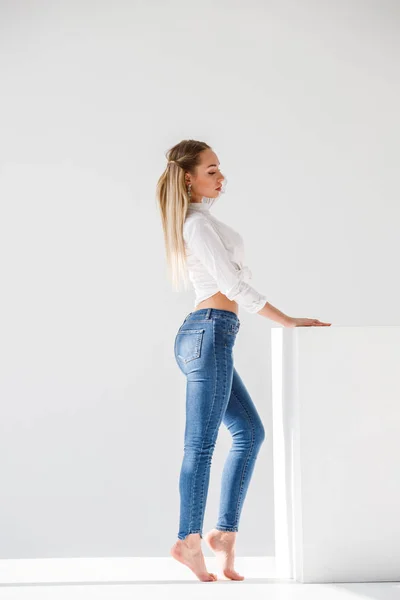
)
(205, 435)
(221, 411)
(247, 458)
(222, 405)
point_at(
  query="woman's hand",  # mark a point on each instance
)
(293, 322)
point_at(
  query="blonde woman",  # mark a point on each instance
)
(211, 253)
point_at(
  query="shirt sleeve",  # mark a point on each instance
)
(207, 246)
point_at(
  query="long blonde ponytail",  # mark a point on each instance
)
(173, 201)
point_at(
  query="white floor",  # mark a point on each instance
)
(142, 578)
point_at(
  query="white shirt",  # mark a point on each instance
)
(215, 258)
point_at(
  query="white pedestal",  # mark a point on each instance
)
(336, 430)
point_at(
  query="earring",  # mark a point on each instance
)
(190, 191)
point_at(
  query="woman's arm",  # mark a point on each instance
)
(270, 312)
(273, 313)
(207, 246)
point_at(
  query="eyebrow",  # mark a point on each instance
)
(211, 166)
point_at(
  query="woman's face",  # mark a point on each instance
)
(208, 177)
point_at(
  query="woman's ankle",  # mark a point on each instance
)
(192, 540)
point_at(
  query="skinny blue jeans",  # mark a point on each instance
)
(215, 393)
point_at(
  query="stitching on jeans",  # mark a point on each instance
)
(205, 433)
(224, 387)
(223, 406)
(247, 458)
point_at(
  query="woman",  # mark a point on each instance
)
(212, 254)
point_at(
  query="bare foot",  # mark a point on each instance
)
(189, 552)
(222, 543)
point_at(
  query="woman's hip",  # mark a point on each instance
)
(205, 340)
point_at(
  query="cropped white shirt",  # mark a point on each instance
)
(215, 259)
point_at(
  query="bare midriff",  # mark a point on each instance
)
(220, 301)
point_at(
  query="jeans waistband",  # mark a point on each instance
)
(212, 313)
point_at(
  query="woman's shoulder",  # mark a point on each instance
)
(195, 224)
(194, 219)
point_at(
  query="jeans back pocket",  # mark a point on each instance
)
(188, 343)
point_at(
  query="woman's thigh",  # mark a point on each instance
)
(241, 414)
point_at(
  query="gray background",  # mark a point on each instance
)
(300, 102)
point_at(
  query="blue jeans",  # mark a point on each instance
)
(215, 393)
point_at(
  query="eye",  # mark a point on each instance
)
(212, 173)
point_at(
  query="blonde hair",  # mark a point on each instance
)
(173, 201)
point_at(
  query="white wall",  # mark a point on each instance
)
(300, 102)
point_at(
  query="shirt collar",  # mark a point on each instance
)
(203, 206)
